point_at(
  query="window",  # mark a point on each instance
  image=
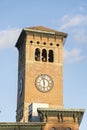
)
(44, 55)
(37, 54)
(51, 56)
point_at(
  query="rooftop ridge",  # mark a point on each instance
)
(44, 30)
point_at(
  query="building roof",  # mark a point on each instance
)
(40, 30)
(62, 109)
(65, 112)
(45, 30)
(21, 125)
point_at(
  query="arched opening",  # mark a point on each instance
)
(37, 54)
(51, 56)
(44, 55)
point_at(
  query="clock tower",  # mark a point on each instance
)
(40, 81)
(40, 62)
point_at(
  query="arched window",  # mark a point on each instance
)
(44, 55)
(37, 54)
(51, 56)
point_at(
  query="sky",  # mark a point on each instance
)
(69, 16)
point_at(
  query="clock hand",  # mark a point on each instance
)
(43, 82)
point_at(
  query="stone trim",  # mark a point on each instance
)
(76, 114)
(30, 124)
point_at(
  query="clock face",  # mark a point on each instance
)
(44, 83)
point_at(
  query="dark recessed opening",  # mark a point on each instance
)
(44, 43)
(38, 42)
(51, 44)
(57, 44)
(31, 41)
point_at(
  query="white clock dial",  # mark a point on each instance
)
(44, 83)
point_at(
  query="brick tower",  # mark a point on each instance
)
(40, 80)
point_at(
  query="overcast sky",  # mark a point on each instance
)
(69, 16)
